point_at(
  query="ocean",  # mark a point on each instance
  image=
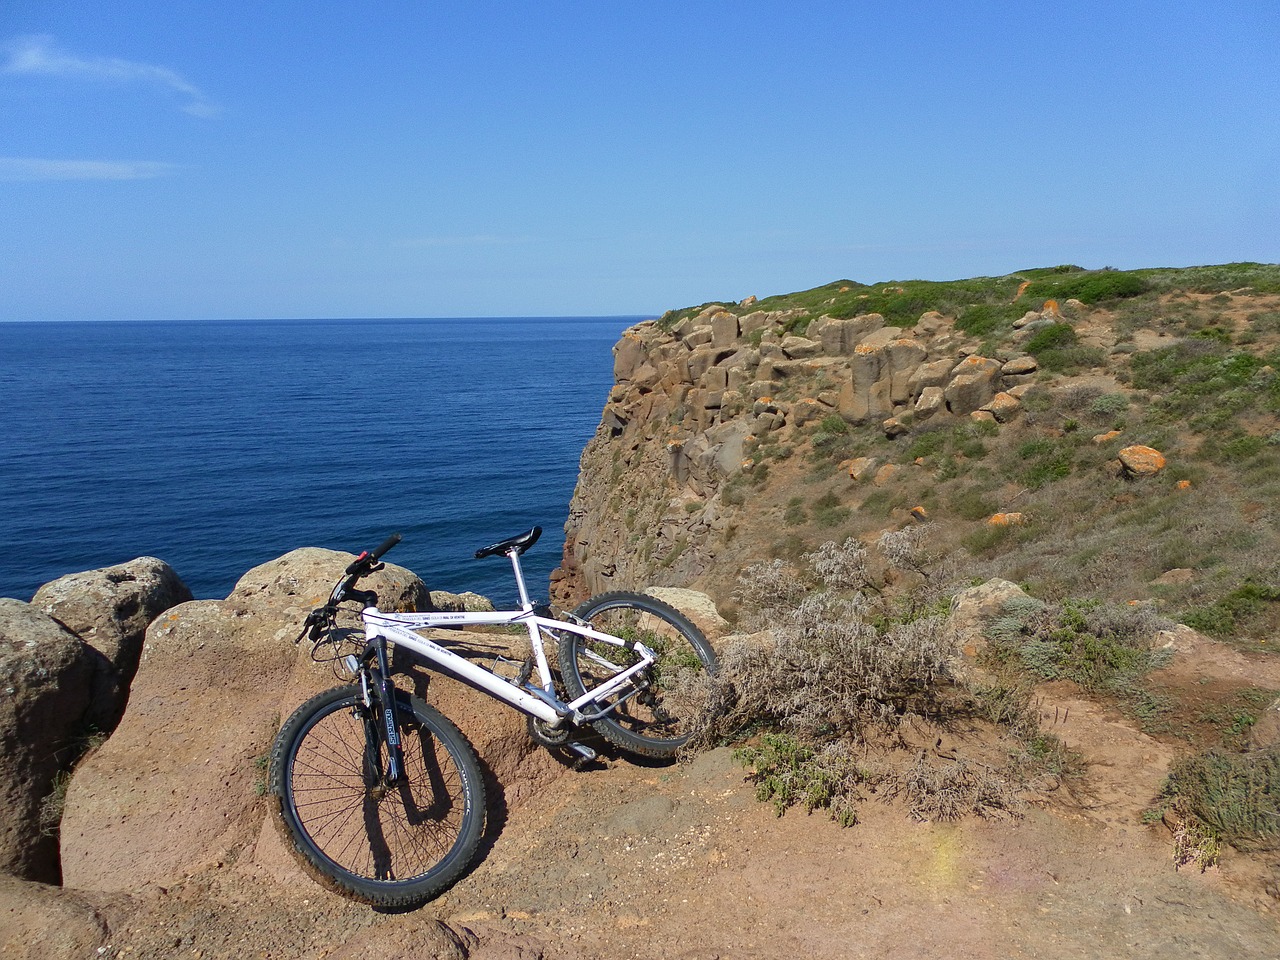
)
(220, 445)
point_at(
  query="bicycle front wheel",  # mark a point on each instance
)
(388, 846)
(654, 717)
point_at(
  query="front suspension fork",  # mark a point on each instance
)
(383, 724)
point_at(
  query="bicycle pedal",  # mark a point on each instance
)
(582, 750)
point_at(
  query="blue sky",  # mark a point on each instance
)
(319, 159)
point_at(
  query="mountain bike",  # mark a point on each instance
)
(382, 797)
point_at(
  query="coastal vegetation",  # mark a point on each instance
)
(1108, 440)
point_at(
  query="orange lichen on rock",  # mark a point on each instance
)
(1140, 461)
(1006, 519)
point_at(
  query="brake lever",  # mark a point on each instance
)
(315, 623)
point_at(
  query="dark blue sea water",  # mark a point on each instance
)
(219, 445)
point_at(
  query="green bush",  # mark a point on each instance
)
(786, 772)
(1237, 795)
(926, 444)
(795, 514)
(985, 319)
(828, 511)
(1225, 617)
(1057, 348)
(1102, 647)
(988, 539)
(1088, 288)
(833, 423)
(973, 503)
(1108, 405)
(1071, 358)
(1055, 336)
(1043, 460)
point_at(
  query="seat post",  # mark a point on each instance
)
(525, 602)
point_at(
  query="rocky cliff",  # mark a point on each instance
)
(1094, 433)
(696, 403)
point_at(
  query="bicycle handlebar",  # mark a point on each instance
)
(364, 563)
(322, 618)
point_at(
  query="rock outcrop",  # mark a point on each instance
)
(694, 403)
(66, 660)
(110, 609)
(228, 666)
(47, 679)
(177, 789)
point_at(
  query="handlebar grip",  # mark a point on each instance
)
(364, 563)
(387, 544)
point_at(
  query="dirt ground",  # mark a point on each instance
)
(623, 860)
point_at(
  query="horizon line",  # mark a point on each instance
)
(328, 319)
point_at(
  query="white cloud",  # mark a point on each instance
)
(38, 56)
(30, 170)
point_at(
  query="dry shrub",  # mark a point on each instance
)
(837, 664)
(948, 789)
(838, 655)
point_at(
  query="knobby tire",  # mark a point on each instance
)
(658, 720)
(397, 848)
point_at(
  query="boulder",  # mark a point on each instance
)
(1006, 519)
(894, 428)
(43, 922)
(930, 402)
(110, 609)
(885, 474)
(840, 336)
(866, 395)
(806, 410)
(1140, 461)
(800, 348)
(934, 374)
(698, 607)
(1265, 733)
(860, 468)
(756, 320)
(700, 361)
(724, 330)
(696, 337)
(973, 609)
(466, 602)
(229, 666)
(974, 382)
(1177, 577)
(1003, 407)
(1020, 367)
(933, 324)
(628, 355)
(47, 679)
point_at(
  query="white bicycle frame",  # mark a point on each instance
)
(538, 701)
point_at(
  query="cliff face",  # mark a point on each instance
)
(663, 484)
(1122, 444)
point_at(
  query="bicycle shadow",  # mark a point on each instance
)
(497, 810)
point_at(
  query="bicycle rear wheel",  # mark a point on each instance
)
(656, 719)
(391, 847)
